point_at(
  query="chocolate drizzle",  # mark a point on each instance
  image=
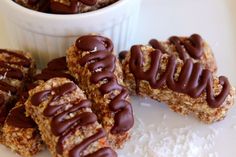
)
(193, 79)
(103, 152)
(13, 72)
(18, 119)
(7, 87)
(9, 70)
(59, 7)
(23, 61)
(17, 116)
(55, 68)
(62, 126)
(122, 55)
(101, 57)
(192, 47)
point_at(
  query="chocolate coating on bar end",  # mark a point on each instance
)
(101, 57)
(55, 68)
(18, 118)
(64, 128)
(193, 79)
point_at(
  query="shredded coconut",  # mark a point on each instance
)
(161, 141)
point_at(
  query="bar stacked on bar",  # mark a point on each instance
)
(20, 132)
(15, 69)
(99, 74)
(65, 120)
(193, 47)
(186, 87)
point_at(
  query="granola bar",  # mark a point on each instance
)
(99, 74)
(21, 134)
(15, 69)
(186, 87)
(65, 120)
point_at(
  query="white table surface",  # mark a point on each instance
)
(215, 20)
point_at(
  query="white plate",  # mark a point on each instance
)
(159, 132)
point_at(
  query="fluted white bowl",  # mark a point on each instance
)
(48, 35)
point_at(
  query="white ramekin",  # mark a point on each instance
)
(48, 35)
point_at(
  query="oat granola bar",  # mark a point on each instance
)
(65, 120)
(186, 87)
(21, 134)
(193, 47)
(99, 74)
(15, 69)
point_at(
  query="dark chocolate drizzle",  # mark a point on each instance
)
(55, 68)
(12, 72)
(63, 127)
(7, 87)
(58, 7)
(8, 71)
(23, 61)
(101, 57)
(104, 152)
(193, 79)
(122, 55)
(192, 47)
(18, 118)
(57, 64)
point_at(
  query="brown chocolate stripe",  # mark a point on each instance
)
(193, 79)
(191, 47)
(18, 118)
(9, 72)
(55, 68)
(101, 57)
(64, 128)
